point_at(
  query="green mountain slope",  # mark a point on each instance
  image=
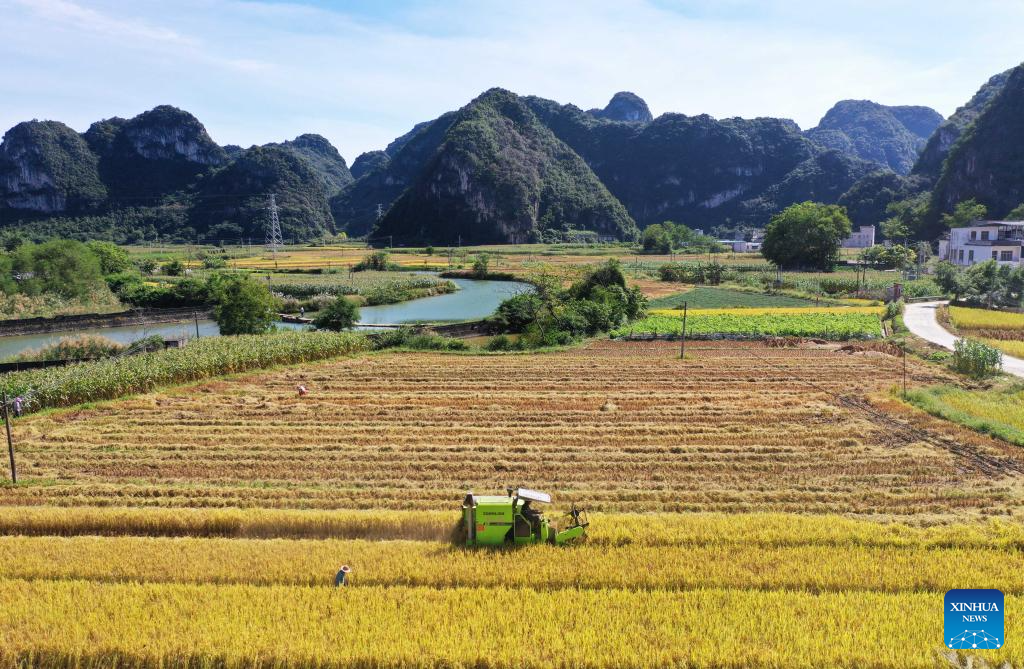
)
(500, 175)
(890, 136)
(46, 167)
(987, 161)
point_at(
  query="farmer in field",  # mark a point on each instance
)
(18, 403)
(341, 579)
(302, 391)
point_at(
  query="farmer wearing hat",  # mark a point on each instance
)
(342, 578)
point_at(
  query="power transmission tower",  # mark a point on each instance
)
(274, 241)
(380, 211)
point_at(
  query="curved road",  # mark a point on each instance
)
(920, 319)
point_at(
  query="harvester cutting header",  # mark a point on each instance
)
(495, 520)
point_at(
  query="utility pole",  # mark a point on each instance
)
(10, 442)
(195, 314)
(273, 230)
(682, 345)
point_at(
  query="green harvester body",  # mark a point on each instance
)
(497, 520)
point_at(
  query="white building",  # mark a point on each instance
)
(862, 239)
(984, 240)
(740, 246)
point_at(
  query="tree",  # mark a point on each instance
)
(1017, 214)
(806, 235)
(113, 259)
(173, 268)
(896, 256)
(481, 265)
(965, 213)
(905, 217)
(60, 266)
(243, 305)
(655, 239)
(951, 280)
(341, 314)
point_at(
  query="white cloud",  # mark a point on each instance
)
(256, 72)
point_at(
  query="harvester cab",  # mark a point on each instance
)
(495, 520)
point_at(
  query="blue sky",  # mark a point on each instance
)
(361, 73)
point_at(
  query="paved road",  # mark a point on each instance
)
(920, 319)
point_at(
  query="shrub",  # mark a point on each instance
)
(341, 314)
(378, 261)
(892, 310)
(501, 343)
(173, 268)
(976, 359)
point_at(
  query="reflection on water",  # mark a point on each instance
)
(474, 300)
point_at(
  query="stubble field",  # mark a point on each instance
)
(754, 506)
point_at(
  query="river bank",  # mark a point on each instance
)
(76, 323)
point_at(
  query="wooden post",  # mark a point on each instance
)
(10, 442)
(682, 345)
(904, 371)
(196, 315)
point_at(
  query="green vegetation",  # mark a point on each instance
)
(341, 314)
(896, 256)
(987, 283)
(976, 359)
(836, 326)
(720, 298)
(201, 359)
(806, 235)
(378, 261)
(965, 213)
(998, 412)
(665, 237)
(75, 348)
(551, 316)
(499, 174)
(243, 305)
(709, 272)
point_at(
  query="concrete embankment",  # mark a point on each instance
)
(26, 326)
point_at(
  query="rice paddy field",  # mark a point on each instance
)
(752, 507)
(1002, 329)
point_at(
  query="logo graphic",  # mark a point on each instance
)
(974, 619)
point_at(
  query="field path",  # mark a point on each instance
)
(921, 319)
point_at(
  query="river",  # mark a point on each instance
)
(474, 300)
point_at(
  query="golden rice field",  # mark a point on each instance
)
(985, 319)
(753, 507)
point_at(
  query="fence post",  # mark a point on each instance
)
(682, 345)
(10, 442)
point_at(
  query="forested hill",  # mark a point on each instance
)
(511, 168)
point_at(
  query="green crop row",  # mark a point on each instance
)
(821, 325)
(212, 356)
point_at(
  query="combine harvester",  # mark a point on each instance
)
(496, 520)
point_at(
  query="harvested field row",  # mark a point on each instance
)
(620, 426)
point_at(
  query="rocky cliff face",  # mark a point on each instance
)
(323, 158)
(47, 167)
(155, 153)
(889, 136)
(987, 161)
(929, 164)
(499, 175)
(625, 107)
